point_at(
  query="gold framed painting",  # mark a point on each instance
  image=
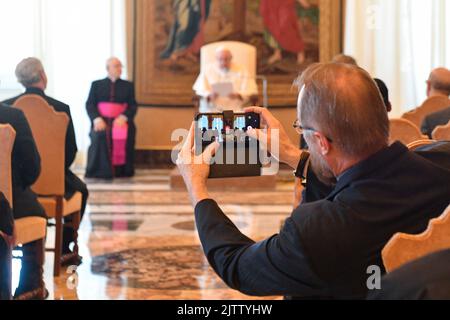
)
(170, 33)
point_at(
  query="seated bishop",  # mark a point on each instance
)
(111, 106)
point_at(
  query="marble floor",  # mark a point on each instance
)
(138, 240)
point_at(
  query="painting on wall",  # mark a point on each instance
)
(288, 34)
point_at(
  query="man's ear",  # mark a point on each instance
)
(43, 77)
(323, 143)
(428, 88)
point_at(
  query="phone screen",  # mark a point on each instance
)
(241, 121)
(238, 154)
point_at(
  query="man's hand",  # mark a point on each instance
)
(99, 125)
(288, 152)
(195, 169)
(120, 121)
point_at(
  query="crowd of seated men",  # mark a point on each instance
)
(111, 107)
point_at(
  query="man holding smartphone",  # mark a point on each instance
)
(326, 247)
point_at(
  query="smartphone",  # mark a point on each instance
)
(238, 155)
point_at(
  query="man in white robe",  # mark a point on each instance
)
(224, 85)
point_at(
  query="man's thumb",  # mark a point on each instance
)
(210, 151)
(254, 133)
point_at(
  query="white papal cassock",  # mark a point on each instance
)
(239, 78)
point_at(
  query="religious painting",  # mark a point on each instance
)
(288, 34)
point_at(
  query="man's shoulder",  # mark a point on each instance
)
(125, 83)
(99, 82)
(239, 68)
(58, 105)
(9, 111)
(10, 115)
(11, 101)
(436, 116)
(317, 211)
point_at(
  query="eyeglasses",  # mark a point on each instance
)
(300, 129)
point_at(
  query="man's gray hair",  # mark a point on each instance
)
(28, 71)
(343, 102)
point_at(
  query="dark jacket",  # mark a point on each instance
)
(427, 278)
(104, 91)
(325, 247)
(26, 164)
(435, 119)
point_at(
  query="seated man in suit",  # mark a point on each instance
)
(224, 71)
(438, 85)
(111, 106)
(26, 167)
(326, 247)
(30, 73)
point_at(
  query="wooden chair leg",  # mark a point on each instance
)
(40, 250)
(76, 225)
(58, 246)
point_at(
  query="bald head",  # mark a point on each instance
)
(342, 58)
(114, 68)
(224, 58)
(439, 82)
(344, 103)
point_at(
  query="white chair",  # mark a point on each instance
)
(244, 54)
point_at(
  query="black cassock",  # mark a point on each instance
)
(99, 163)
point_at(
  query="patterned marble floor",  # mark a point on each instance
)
(138, 240)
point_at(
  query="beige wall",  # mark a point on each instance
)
(156, 124)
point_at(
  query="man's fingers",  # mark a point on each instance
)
(210, 151)
(257, 110)
(257, 134)
(265, 114)
(189, 144)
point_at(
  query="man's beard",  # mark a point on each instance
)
(321, 169)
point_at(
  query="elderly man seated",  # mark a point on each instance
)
(438, 85)
(224, 85)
